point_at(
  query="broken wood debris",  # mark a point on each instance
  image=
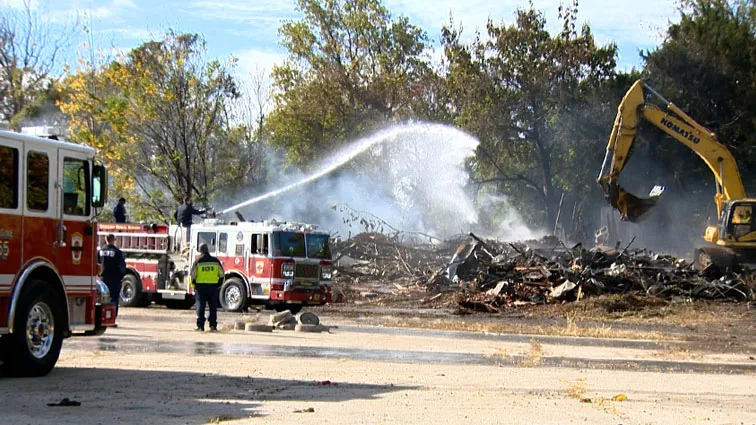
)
(489, 275)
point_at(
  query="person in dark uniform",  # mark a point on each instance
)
(184, 215)
(207, 278)
(119, 212)
(113, 268)
(176, 213)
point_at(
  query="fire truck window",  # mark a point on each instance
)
(8, 177)
(239, 250)
(259, 244)
(291, 244)
(206, 238)
(253, 245)
(223, 243)
(75, 187)
(37, 181)
(317, 246)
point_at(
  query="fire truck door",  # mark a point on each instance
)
(11, 210)
(76, 254)
(41, 218)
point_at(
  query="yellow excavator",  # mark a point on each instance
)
(732, 241)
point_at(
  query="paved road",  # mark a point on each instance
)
(154, 369)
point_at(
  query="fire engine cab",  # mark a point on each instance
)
(50, 192)
(281, 265)
(285, 265)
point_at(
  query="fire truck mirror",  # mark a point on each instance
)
(99, 186)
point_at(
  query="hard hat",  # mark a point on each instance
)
(204, 249)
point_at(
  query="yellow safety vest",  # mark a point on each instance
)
(207, 273)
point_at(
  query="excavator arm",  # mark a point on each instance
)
(673, 121)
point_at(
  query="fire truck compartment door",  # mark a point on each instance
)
(172, 295)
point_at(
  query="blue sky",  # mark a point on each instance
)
(248, 29)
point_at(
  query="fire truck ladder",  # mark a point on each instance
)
(138, 243)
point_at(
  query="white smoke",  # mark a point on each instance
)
(499, 219)
(410, 177)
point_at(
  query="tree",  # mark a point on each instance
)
(29, 52)
(707, 66)
(351, 68)
(250, 115)
(167, 108)
(516, 91)
(96, 110)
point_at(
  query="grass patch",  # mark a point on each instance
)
(575, 329)
(533, 356)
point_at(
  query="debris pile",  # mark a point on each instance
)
(490, 275)
(373, 264)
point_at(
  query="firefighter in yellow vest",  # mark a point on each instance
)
(207, 278)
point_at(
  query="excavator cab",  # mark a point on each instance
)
(738, 222)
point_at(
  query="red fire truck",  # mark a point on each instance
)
(156, 269)
(285, 265)
(49, 195)
(282, 265)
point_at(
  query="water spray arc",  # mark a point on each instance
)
(461, 141)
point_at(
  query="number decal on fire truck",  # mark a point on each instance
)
(5, 237)
(4, 249)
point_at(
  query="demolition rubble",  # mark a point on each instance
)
(489, 276)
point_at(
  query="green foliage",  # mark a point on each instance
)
(541, 103)
(707, 65)
(167, 106)
(41, 107)
(518, 91)
(351, 67)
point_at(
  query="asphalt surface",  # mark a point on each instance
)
(154, 369)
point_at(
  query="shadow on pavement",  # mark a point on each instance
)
(110, 396)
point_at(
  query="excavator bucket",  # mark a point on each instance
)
(631, 207)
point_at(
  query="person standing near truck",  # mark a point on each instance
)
(119, 212)
(113, 268)
(185, 215)
(207, 278)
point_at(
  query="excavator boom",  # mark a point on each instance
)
(676, 123)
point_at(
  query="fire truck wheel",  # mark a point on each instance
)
(34, 346)
(131, 292)
(293, 308)
(233, 295)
